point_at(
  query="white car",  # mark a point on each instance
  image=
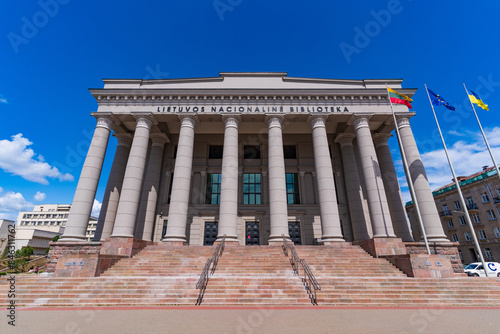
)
(476, 269)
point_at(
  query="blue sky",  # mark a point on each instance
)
(52, 51)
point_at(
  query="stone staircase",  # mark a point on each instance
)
(254, 275)
(167, 275)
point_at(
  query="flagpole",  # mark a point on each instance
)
(484, 136)
(409, 179)
(457, 183)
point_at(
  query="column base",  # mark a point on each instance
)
(382, 246)
(175, 240)
(229, 239)
(126, 247)
(277, 240)
(326, 240)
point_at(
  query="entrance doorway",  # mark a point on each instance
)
(211, 231)
(473, 255)
(252, 233)
(294, 232)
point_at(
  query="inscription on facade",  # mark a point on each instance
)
(251, 109)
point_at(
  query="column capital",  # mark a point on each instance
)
(380, 139)
(105, 121)
(274, 120)
(403, 121)
(189, 120)
(159, 139)
(345, 139)
(144, 120)
(124, 139)
(231, 120)
(317, 120)
(360, 121)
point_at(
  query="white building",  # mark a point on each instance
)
(51, 218)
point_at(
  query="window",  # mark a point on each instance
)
(482, 235)
(213, 189)
(485, 198)
(497, 232)
(169, 196)
(491, 214)
(457, 205)
(289, 151)
(215, 151)
(467, 236)
(460, 254)
(39, 223)
(251, 152)
(462, 220)
(251, 189)
(22, 223)
(58, 223)
(446, 210)
(475, 217)
(470, 203)
(454, 237)
(450, 223)
(24, 216)
(292, 189)
(164, 229)
(45, 223)
(489, 254)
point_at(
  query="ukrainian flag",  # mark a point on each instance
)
(474, 98)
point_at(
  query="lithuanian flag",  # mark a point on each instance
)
(399, 98)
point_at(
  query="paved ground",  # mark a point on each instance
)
(246, 320)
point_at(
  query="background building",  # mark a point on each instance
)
(50, 218)
(482, 194)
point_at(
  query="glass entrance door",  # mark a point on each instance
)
(252, 233)
(294, 232)
(211, 230)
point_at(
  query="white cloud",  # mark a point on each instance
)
(11, 203)
(3, 99)
(96, 208)
(18, 159)
(468, 157)
(39, 196)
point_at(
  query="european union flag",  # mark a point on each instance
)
(438, 100)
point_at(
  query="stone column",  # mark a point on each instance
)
(329, 211)
(353, 187)
(278, 207)
(113, 187)
(377, 201)
(228, 209)
(428, 210)
(79, 215)
(126, 214)
(181, 185)
(391, 185)
(147, 210)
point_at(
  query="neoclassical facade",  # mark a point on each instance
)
(252, 156)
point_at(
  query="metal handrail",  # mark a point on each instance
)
(312, 285)
(310, 282)
(209, 269)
